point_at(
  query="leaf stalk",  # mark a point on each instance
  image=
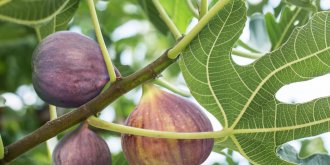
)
(176, 50)
(168, 21)
(97, 28)
(98, 123)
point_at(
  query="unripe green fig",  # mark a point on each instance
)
(163, 111)
(82, 147)
(68, 69)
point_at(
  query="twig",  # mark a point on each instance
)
(165, 84)
(106, 57)
(246, 54)
(203, 9)
(192, 8)
(168, 21)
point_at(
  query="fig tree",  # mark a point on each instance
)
(82, 146)
(163, 111)
(68, 69)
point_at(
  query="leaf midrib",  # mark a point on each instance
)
(207, 71)
(279, 129)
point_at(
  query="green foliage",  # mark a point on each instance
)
(307, 4)
(2, 102)
(119, 159)
(178, 10)
(288, 153)
(279, 31)
(2, 149)
(32, 13)
(153, 15)
(312, 146)
(243, 98)
(59, 21)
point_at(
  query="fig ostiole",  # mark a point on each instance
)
(82, 147)
(68, 69)
(163, 111)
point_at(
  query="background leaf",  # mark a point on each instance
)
(179, 12)
(2, 101)
(312, 146)
(2, 149)
(59, 21)
(288, 153)
(279, 31)
(153, 15)
(243, 97)
(31, 13)
(306, 4)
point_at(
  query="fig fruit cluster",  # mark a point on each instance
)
(163, 111)
(82, 147)
(68, 69)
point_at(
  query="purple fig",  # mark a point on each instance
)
(82, 146)
(68, 69)
(163, 111)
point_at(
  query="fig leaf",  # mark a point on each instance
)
(46, 16)
(243, 98)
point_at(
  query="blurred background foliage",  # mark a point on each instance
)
(134, 35)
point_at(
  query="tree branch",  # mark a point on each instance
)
(117, 89)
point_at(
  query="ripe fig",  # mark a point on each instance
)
(68, 69)
(82, 146)
(163, 111)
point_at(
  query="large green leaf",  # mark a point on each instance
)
(279, 31)
(243, 99)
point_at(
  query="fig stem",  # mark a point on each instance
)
(51, 143)
(203, 8)
(167, 85)
(192, 8)
(98, 123)
(246, 54)
(52, 112)
(168, 21)
(106, 57)
(176, 50)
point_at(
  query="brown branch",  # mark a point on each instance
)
(117, 89)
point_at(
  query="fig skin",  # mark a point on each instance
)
(82, 146)
(163, 111)
(68, 69)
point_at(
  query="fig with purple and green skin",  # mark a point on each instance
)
(82, 147)
(163, 111)
(68, 69)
